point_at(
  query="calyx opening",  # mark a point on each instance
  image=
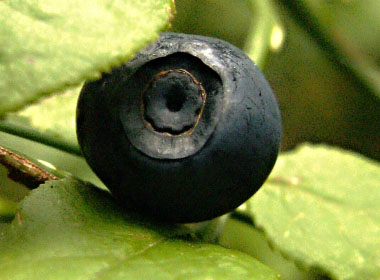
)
(173, 102)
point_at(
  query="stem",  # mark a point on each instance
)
(242, 217)
(259, 41)
(24, 171)
(37, 136)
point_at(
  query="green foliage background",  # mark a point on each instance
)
(316, 217)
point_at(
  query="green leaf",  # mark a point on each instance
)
(51, 121)
(321, 208)
(70, 230)
(47, 45)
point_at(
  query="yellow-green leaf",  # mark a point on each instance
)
(71, 230)
(321, 208)
(47, 45)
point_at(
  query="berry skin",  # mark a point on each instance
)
(186, 131)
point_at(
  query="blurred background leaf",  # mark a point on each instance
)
(320, 99)
(349, 31)
(250, 25)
